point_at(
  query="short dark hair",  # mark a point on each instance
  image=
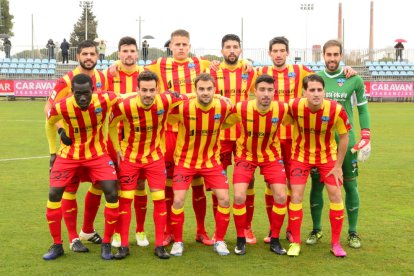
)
(81, 79)
(264, 78)
(312, 77)
(279, 40)
(204, 77)
(332, 42)
(86, 44)
(147, 76)
(228, 37)
(127, 40)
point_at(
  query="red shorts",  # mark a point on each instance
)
(227, 148)
(154, 172)
(80, 176)
(170, 142)
(214, 178)
(273, 171)
(98, 169)
(286, 148)
(299, 172)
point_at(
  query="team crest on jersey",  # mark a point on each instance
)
(191, 65)
(160, 112)
(275, 121)
(217, 117)
(98, 110)
(111, 164)
(291, 75)
(325, 119)
(98, 86)
(245, 77)
(340, 81)
(280, 161)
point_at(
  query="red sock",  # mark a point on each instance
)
(278, 215)
(54, 220)
(287, 204)
(249, 208)
(140, 205)
(222, 222)
(70, 214)
(160, 218)
(169, 197)
(92, 202)
(177, 222)
(336, 216)
(295, 213)
(111, 214)
(239, 215)
(215, 204)
(199, 206)
(124, 219)
(269, 204)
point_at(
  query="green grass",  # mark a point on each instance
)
(385, 224)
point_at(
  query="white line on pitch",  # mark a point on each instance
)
(23, 158)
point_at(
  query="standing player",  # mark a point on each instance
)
(126, 81)
(234, 82)
(178, 74)
(198, 153)
(315, 122)
(83, 116)
(144, 116)
(345, 91)
(87, 55)
(258, 146)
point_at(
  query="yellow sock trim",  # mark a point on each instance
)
(95, 191)
(279, 211)
(268, 191)
(336, 206)
(69, 196)
(158, 195)
(141, 192)
(295, 207)
(199, 181)
(177, 211)
(169, 182)
(112, 205)
(239, 212)
(250, 191)
(223, 210)
(53, 205)
(127, 194)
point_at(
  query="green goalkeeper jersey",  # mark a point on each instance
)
(348, 92)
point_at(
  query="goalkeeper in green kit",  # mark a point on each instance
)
(347, 92)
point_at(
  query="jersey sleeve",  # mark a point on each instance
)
(60, 91)
(342, 123)
(362, 104)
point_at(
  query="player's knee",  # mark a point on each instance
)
(56, 193)
(239, 198)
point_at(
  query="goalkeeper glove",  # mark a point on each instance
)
(65, 139)
(363, 146)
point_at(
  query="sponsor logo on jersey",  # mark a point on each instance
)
(325, 119)
(291, 75)
(340, 81)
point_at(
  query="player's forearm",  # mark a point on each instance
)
(51, 137)
(342, 149)
(113, 135)
(364, 117)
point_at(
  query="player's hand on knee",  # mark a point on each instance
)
(65, 139)
(52, 161)
(363, 146)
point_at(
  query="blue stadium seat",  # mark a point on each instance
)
(410, 73)
(52, 61)
(27, 71)
(12, 71)
(375, 63)
(22, 60)
(13, 65)
(30, 60)
(45, 61)
(395, 73)
(375, 73)
(50, 71)
(403, 73)
(382, 63)
(44, 66)
(371, 68)
(141, 62)
(368, 63)
(5, 65)
(385, 68)
(42, 71)
(35, 71)
(21, 65)
(381, 73)
(36, 66)
(111, 61)
(148, 62)
(14, 60)
(28, 66)
(6, 60)
(105, 62)
(388, 73)
(52, 66)
(19, 71)
(390, 63)
(4, 71)
(37, 60)
(393, 68)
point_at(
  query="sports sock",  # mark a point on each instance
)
(222, 222)
(92, 203)
(239, 215)
(316, 200)
(336, 217)
(124, 219)
(159, 216)
(288, 192)
(295, 216)
(278, 215)
(352, 203)
(215, 203)
(70, 214)
(177, 222)
(140, 206)
(199, 205)
(249, 207)
(269, 204)
(111, 214)
(169, 197)
(54, 220)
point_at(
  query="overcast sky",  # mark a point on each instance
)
(208, 21)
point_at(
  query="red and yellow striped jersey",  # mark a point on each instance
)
(288, 85)
(125, 82)
(63, 86)
(198, 144)
(144, 126)
(234, 83)
(84, 128)
(258, 141)
(313, 139)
